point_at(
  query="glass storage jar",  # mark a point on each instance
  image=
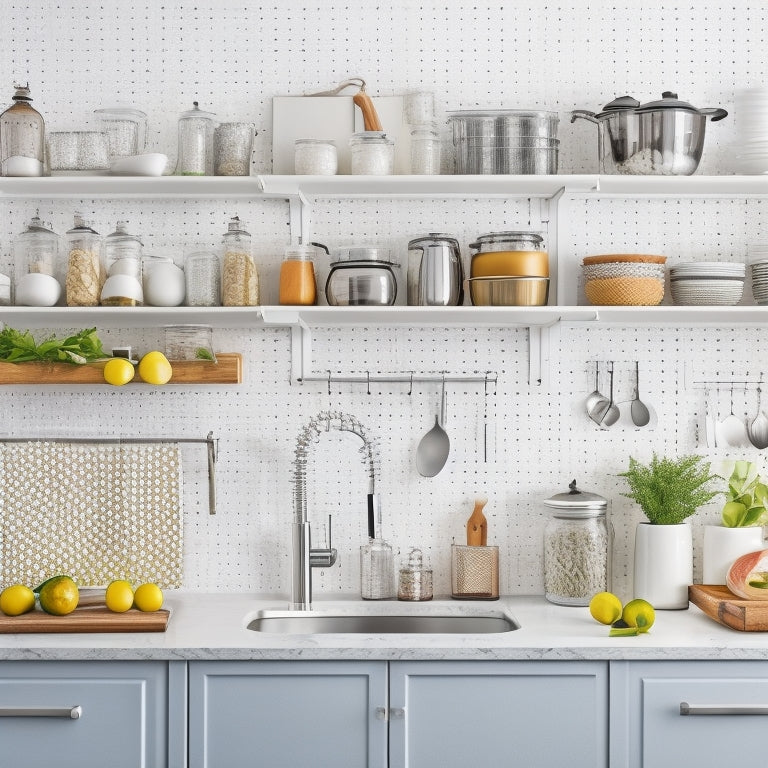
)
(35, 255)
(362, 277)
(372, 154)
(415, 582)
(202, 272)
(315, 157)
(577, 546)
(22, 137)
(232, 145)
(377, 570)
(297, 276)
(5, 290)
(195, 142)
(125, 129)
(85, 269)
(425, 150)
(122, 254)
(240, 280)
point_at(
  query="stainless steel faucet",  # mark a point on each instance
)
(305, 557)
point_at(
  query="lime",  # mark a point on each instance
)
(59, 595)
(639, 613)
(605, 607)
(118, 371)
(148, 597)
(16, 600)
(119, 596)
(154, 368)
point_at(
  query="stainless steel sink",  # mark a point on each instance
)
(321, 622)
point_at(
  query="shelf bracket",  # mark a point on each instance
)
(300, 221)
(301, 351)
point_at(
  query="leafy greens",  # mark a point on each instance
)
(20, 347)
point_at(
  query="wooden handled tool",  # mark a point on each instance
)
(477, 525)
(371, 120)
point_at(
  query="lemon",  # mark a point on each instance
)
(639, 613)
(605, 607)
(59, 595)
(119, 596)
(16, 600)
(148, 597)
(118, 371)
(154, 368)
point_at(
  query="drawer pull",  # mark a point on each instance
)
(70, 713)
(708, 709)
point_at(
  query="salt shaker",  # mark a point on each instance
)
(195, 142)
(377, 570)
(415, 582)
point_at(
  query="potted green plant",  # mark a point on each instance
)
(669, 491)
(744, 514)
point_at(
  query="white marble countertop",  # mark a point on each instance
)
(214, 626)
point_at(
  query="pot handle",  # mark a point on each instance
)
(714, 113)
(585, 114)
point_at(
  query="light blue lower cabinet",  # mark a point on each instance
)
(667, 714)
(62, 714)
(288, 714)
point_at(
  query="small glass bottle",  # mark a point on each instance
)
(297, 276)
(240, 280)
(22, 137)
(377, 570)
(232, 146)
(315, 157)
(425, 149)
(202, 272)
(195, 142)
(372, 154)
(85, 270)
(415, 582)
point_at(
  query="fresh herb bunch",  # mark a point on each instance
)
(746, 498)
(20, 347)
(670, 490)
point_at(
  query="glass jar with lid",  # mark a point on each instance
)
(122, 255)
(195, 142)
(22, 137)
(377, 570)
(202, 271)
(85, 271)
(240, 280)
(362, 276)
(315, 157)
(125, 129)
(415, 582)
(511, 254)
(372, 154)
(232, 147)
(35, 255)
(577, 546)
(297, 275)
(425, 149)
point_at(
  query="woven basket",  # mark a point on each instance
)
(625, 291)
(623, 269)
(638, 258)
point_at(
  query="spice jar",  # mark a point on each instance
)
(372, 154)
(85, 270)
(425, 149)
(315, 157)
(22, 137)
(240, 280)
(576, 547)
(202, 273)
(297, 275)
(415, 582)
(232, 145)
(195, 142)
(377, 570)
(35, 254)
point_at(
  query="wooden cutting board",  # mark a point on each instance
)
(728, 609)
(87, 619)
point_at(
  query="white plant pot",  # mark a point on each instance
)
(663, 564)
(724, 545)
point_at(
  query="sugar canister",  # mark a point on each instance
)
(85, 270)
(35, 254)
(240, 280)
(372, 154)
(577, 546)
(122, 254)
(315, 157)
(195, 142)
(22, 137)
(202, 272)
(232, 145)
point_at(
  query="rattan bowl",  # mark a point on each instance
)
(625, 291)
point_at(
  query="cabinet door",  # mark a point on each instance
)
(84, 714)
(287, 714)
(497, 713)
(724, 713)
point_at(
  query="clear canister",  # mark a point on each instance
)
(123, 252)
(202, 271)
(577, 546)
(511, 254)
(125, 129)
(425, 149)
(315, 157)
(377, 570)
(297, 276)
(232, 147)
(36, 249)
(85, 273)
(240, 280)
(415, 583)
(195, 142)
(22, 137)
(5, 290)
(372, 154)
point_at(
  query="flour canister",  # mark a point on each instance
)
(577, 546)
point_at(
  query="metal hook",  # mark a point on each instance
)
(329, 382)
(410, 388)
(368, 381)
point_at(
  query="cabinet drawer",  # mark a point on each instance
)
(80, 714)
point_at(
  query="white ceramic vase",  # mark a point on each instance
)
(724, 545)
(663, 564)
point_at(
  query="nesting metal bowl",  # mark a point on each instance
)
(503, 291)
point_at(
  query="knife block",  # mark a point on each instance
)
(474, 572)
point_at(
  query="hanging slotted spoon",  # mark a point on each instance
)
(758, 429)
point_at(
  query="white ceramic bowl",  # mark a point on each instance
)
(150, 164)
(37, 290)
(118, 287)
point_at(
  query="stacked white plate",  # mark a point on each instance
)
(751, 148)
(719, 283)
(758, 264)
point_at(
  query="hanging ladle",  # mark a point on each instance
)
(758, 429)
(612, 413)
(433, 450)
(637, 409)
(597, 403)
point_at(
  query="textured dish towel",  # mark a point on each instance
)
(94, 511)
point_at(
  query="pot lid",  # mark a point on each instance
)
(501, 237)
(196, 112)
(668, 100)
(36, 225)
(622, 102)
(121, 234)
(577, 500)
(433, 238)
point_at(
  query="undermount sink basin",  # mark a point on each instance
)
(322, 622)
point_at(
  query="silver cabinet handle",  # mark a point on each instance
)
(708, 709)
(70, 713)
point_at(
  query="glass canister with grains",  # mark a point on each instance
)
(85, 269)
(240, 280)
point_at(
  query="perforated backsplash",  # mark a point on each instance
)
(515, 443)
